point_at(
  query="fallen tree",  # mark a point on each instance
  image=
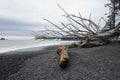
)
(87, 31)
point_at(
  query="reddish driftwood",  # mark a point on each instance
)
(64, 57)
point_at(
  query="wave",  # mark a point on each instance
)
(41, 45)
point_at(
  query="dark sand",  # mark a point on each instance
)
(98, 63)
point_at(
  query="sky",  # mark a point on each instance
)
(21, 17)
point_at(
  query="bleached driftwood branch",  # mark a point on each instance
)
(86, 30)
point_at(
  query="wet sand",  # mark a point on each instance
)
(98, 63)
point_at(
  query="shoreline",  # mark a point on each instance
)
(34, 47)
(101, 62)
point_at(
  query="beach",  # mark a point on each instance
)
(97, 63)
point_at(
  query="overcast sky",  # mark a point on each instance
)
(20, 17)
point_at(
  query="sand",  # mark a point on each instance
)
(98, 63)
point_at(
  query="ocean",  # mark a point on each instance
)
(12, 45)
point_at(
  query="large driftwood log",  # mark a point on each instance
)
(85, 30)
(64, 57)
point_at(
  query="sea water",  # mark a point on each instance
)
(12, 45)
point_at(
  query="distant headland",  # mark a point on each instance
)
(2, 38)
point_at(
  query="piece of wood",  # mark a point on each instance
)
(64, 57)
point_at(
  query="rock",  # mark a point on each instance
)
(2, 38)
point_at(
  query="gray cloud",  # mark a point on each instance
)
(7, 24)
(14, 27)
(16, 33)
(20, 17)
(12, 22)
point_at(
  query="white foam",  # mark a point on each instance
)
(41, 45)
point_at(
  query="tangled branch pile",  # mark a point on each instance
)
(87, 31)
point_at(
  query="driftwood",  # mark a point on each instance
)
(64, 57)
(85, 30)
(74, 45)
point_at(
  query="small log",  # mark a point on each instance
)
(64, 57)
(74, 45)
